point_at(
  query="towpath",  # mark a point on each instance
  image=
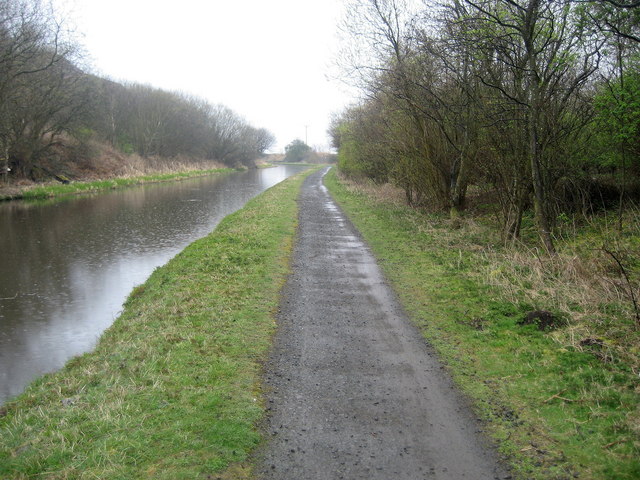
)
(353, 390)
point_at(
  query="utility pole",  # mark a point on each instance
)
(306, 127)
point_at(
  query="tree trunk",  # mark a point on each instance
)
(458, 187)
(535, 124)
(539, 191)
(514, 212)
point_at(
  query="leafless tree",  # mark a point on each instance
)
(36, 78)
(545, 56)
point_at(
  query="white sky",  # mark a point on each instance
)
(268, 60)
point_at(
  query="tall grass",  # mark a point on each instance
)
(593, 282)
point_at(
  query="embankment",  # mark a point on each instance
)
(48, 190)
(172, 389)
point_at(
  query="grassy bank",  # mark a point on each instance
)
(74, 188)
(172, 389)
(562, 402)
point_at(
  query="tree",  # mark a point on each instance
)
(296, 151)
(618, 18)
(366, 142)
(263, 139)
(618, 127)
(545, 55)
(46, 100)
(431, 83)
(36, 81)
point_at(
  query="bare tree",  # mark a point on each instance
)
(547, 56)
(36, 76)
(418, 72)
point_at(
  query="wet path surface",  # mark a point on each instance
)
(352, 388)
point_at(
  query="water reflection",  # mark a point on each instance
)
(67, 266)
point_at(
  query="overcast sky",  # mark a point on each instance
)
(268, 60)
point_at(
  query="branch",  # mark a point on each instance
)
(629, 284)
(634, 4)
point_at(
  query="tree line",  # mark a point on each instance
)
(50, 108)
(532, 101)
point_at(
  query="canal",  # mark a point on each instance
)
(68, 264)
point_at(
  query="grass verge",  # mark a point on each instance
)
(172, 389)
(557, 410)
(74, 188)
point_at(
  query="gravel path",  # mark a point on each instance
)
(354, 392)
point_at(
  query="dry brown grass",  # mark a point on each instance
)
(108, 163)
(385, 193)
(95, 161)
(583, 283)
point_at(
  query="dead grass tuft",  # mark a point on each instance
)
(385, 193)
(583, 283)
(137, 166)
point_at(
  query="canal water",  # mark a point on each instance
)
(67, 265)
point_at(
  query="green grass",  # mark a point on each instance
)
(74, 188)
(172, 390)
(556, 412)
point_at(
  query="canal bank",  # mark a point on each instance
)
(68, 263)
(557, 410)
(172, 388)
(56, 189)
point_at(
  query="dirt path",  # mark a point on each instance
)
(353, 390)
